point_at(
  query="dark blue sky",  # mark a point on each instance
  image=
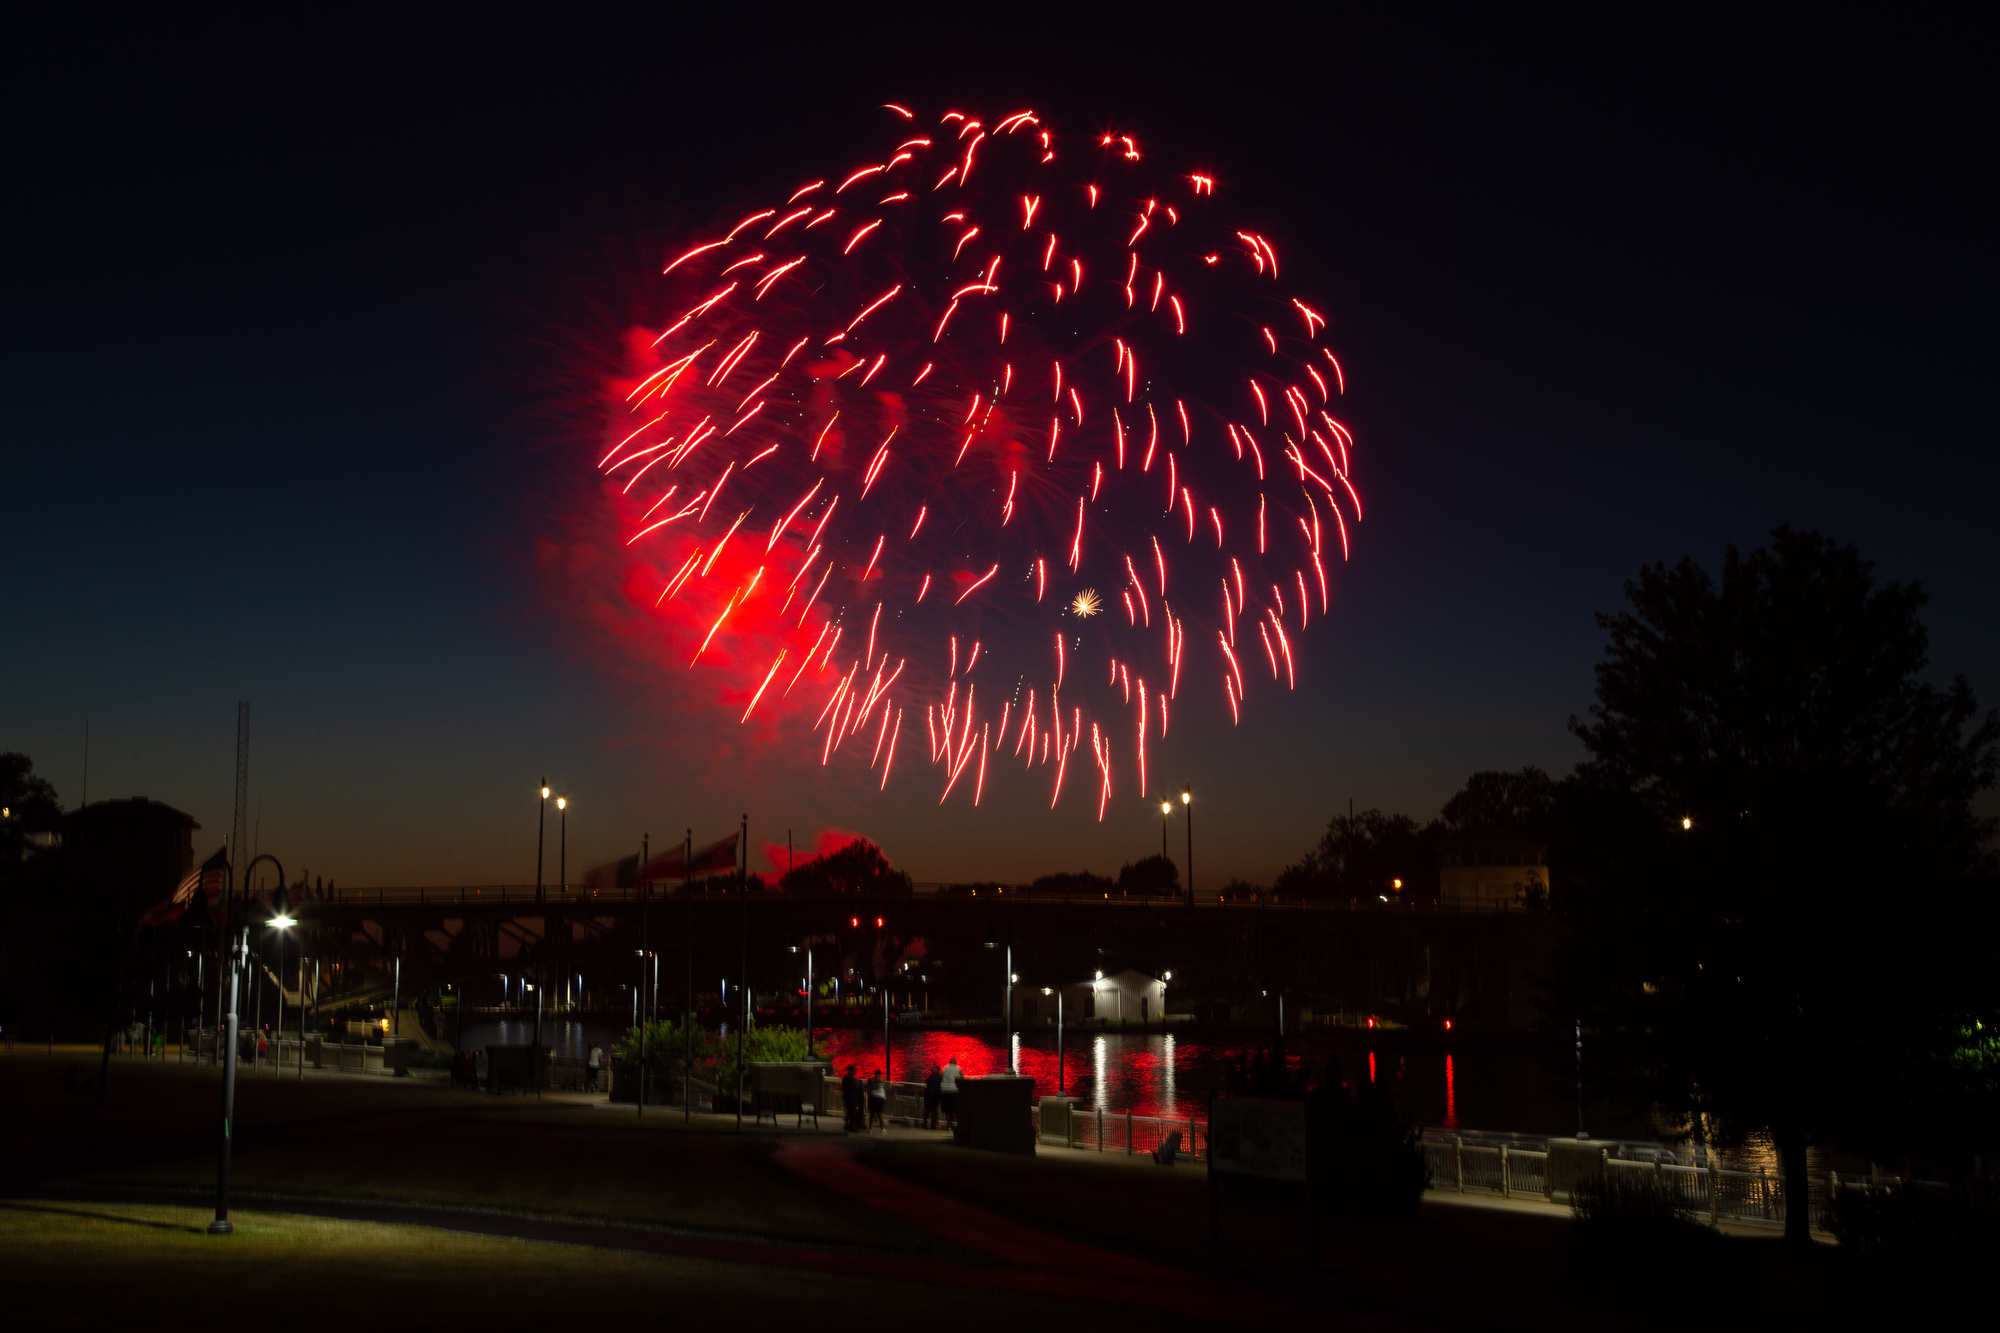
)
(287, 316)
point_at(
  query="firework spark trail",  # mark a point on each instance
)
(897, 308)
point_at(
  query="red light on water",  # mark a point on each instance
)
(1450, 1094)
(1371, 1063)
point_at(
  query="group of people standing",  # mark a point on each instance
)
(940, 1095)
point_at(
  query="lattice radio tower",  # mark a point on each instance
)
(240, 834)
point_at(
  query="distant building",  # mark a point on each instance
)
(137, 850)
(1476, 872)
(1123, 997)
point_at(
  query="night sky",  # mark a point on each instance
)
(294, 321)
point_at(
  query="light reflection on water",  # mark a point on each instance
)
(1149, 1074)
(1155, 1074)
(566, 1038)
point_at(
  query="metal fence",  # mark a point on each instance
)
(1093, 1129)
(1704, 1184)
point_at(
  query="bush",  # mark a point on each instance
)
(665, 1043)
(1917, 1250)
(1368, 1155)
(1874, 1220)
(761, 1045)
(1150, 874)
(1081, 883)
(1623, 1218)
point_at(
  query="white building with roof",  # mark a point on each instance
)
(1111, 999)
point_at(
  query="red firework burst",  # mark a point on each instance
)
(946, 416)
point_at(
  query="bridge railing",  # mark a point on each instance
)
(514, 895)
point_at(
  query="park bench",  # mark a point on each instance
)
(775, 1104)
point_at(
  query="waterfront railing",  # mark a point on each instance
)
(1705, 1184)
(574, 895)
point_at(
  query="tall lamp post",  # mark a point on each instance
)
(541, 836)
(222, 1226)
(808, 950)
(1057, 992)
(282, 921)
(1187, 799)
(1007, 1001)
(562, 842)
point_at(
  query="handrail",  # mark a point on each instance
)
(578, 896)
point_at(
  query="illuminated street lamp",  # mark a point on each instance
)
(541, 836)
(1686, 823)
(1166, 808)
(562, 835)
(222, 1226)
(1187, 799)
(1057, 992)
(281, 921)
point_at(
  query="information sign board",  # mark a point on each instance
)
(1255, 1136)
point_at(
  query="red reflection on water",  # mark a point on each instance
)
(1146, 1074)
(1450, 1096)
(1371, 1066)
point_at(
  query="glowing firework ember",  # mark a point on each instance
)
(891, 422)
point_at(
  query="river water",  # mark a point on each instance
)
(1478, 1085)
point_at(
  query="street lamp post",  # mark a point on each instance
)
(639, 1011)
(1057, 992)
(562, 843)
(282, 921)
(1166, 808)
(1187, 799)
(1011, 979)
(222, 1226)
(809, 994)
(541, 836)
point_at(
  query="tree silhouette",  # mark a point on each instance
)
(1770, 869)
(30, 805)
(1362, 856)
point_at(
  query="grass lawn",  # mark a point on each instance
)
(392, 1141)
(95, 1265)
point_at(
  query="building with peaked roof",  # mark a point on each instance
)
(1123, 997)
(1478, 872)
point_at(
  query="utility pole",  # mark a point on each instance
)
(687, 1015)
(1187, 799)
(1010, 1010)
(743, 960)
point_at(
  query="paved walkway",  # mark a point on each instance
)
(1034, 1260)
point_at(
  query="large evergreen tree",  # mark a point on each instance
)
(1776, 886)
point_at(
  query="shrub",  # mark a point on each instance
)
(665, 1042)
(761, 1045)
(1918, 1251)
(1368, 1156)
(1623, 1218)
(1149, 874)
(1081, 883)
